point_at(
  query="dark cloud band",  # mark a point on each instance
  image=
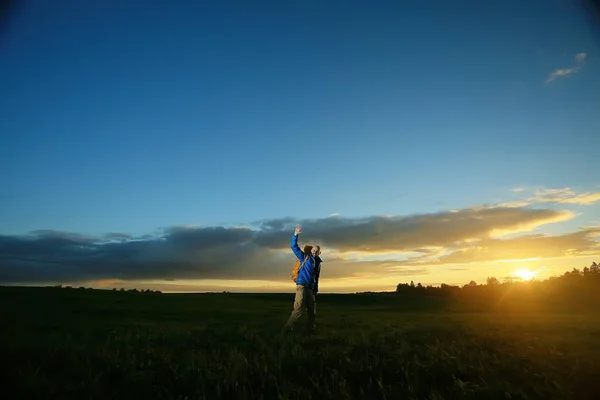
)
(263, 253)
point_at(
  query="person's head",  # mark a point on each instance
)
(316, 250)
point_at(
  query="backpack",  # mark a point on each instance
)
(299, 265)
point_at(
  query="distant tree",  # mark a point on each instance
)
(412, 284)
(419, 285)
(492, 281)
(402, 287)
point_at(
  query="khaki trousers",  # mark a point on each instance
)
(305, 298)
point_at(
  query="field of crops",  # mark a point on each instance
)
(92, 344)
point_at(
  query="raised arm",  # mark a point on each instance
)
(294, 245)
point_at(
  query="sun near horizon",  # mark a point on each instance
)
(525, 274)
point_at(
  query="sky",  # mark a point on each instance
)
(176, 146)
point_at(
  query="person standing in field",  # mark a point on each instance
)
(307, 282)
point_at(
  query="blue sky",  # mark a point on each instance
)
(117, 118)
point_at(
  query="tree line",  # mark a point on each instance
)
(114, 289)
(587, 275)
(576, 288)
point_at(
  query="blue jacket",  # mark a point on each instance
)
(310, 271)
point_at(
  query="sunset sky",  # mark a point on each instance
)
(176, 147)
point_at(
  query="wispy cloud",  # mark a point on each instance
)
(580, 57)
(565, 196)
(557, 196)
(563, 72)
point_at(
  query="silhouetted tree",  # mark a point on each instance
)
(492, 281)
(402, 287)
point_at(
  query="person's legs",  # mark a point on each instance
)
(310, 300)
(298, 304)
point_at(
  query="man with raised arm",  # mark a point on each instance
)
(307, 284)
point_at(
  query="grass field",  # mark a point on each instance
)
(91, 344)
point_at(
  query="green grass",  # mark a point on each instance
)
(69, 343)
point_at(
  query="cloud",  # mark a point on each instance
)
(565, 196)
(581, 243)
(399, 233)
(562, 72)
(261, 253)
(557, 73)
(557, 196)
(580, 57)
